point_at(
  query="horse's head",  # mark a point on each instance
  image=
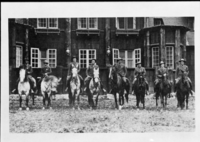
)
(140, 78)
(74, 72)
(96, 75)
(22, 75)
(112, 72)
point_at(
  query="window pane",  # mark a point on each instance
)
(121, 23)
(122, 54)
(42, 22)
(155, 56)
(53, 22)
(130, 23)
(83, 22)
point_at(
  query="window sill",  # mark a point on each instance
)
(47, 31)
(127, 32)
(87, 32)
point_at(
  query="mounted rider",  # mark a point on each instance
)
(162, 71)
(183, 69)
(90, 74)
(45, 72)
(140, 70)
(73, 64)
(121, 69)
(29, 72)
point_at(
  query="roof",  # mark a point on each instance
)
(190, 38)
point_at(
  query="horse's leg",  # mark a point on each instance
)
(49, 100)
(27, 100)
(116, 105)
(43, 94)
(157, 99)
(120, 100)
(97, 99)
(73, 100)
(137, 99)
(20, 102)
(77, 98)
(187, 96)
(143, 100)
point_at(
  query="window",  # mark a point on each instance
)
(51, 55)
(53, 23)
(169, 57)
(38, 57)
(19, 53)
(125, 23)
(155, 56)
(87, 23)
(42, 23)
(158, 21)
(85, 56)
(35, 57)
(130, 57)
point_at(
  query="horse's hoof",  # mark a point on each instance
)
(20, 108)
(27, 109)
(50, 108)
(73, 108)
(43, 108)
(120, 107)
(161, 110)
(138, 109)
(79, 108)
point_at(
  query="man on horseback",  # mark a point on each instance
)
(45, 72)
(121, 69)
(162, 71)
(90, 74)
(183, 69)
(73, 64)
(29, 71)
(140, 70)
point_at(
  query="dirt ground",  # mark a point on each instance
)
(62, 119)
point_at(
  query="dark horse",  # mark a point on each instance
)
(139, 89)
(183, 90)
(118, 86)
(163, 91)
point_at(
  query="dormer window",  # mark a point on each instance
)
(44, 23)
(87, 23)
(123, 23)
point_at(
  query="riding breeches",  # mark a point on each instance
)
(32, 80)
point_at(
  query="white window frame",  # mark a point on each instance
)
(38, 59)
(87, 24)
(114, 50)
(137, 58)
(19, 57)
(171, 58)
(153, 56)
(125, 23)
(87, 56)
(38, 23)
(48, 58)
(56, 23)
(126, 56)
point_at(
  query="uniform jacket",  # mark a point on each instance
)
(71, 66)
(162, 71)
(121, 69)
(139, 70)
(28, 68)
(182, 69)
(90, 70)
(46, 69)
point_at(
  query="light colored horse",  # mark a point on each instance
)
(75, 86)
(94, 87)
(49, 85)
(23, 88)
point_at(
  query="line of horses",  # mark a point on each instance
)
(117, 85)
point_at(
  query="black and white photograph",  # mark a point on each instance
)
(100, 73)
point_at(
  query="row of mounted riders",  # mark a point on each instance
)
(93, 87)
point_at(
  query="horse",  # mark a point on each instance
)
(75, 88)
(163, 91)
(139, 89)
(49, 85)
(183, 90)
(23, 88)
(94, 89)
(119, 87)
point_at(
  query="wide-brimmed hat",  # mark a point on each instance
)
(46, 61)
(162, 62)
(93, 59)
(138, 63)
(74, 57)
(119, 59)
(182, 60)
